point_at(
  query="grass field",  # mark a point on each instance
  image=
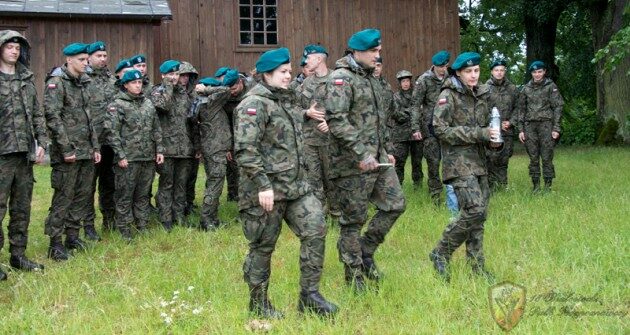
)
(570, 249)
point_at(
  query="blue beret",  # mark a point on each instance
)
(312, 49)
(365, 40)
(75, 49)
(123, 64)
(209, 81)
(169, 66)
(537, 64)
(137, 59)
(221, 71)
(466, 59)
(498, 62)
(131, 75)
(96, 46)
(271, 59)
(441, 58)
(230, 78)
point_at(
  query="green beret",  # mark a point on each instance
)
(137, 59)
(441, 58)
(271, 59)
(96, 46)
(537, 64)
(312, 49)
(209, 81)
(75, 49)
(498, 62)
(169, 66)
(466, 59)
(131, 75)
(230, 78)
(365, 40)
(221, 71)
(123, 64)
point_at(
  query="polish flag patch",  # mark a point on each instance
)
(251, 111)
(338, 81)
(112, 109)
(442, 101)
(52, 86)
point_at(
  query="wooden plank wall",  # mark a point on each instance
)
(204, 32)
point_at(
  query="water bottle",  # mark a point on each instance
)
(495, 123)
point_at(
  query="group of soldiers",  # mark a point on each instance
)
(329, 142)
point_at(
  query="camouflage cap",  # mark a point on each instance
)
(466, 59)
(365, 40)
(13, 36)
(96, 46)
(131, 75)
(537, 64)
(168, 66)
(403, 74)
(186, 67)
(74, 49)
(498, 62)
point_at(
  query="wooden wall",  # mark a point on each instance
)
(204, 32)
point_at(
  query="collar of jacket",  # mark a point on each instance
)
(273, 93)
(351, 64)
(125, 95)
(22, 72)
(543, 82)
(454, 83)
(80, 81)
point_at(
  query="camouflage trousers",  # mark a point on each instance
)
(192, 181)
(16, 191)
(215, 166)
(401, 151)
(497, 161)
(171, 194)
(472, 194)
(432, 153)
(305, 218)
(72, 185)
(539, 145)
(231, 177)
(104, 173)
(133, 185)
(380, 187)
(318, 164)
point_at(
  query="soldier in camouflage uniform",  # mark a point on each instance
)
(316, 135)
(102, 91)
(172, 105)
(460, 120)
(74, 150)
(133, 130)
(425, 93)
(274, 186)
(299, 79)
(404, 142)
(24, 140)
(215, 141)
(188, 76)
(503, 95)
(359, 144)
(540, 106)
(139, 62)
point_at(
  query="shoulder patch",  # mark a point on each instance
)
(112, 109)
(442, 101)
(338, 82)
(555, 89)
(52, 86)
(251, 111)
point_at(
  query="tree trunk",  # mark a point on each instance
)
(613, 88)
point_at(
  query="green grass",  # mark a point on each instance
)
(573, 242)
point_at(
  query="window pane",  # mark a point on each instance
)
(246, 24)
(259, 25)
(272, 38)
(271, 25)
(270, 2)
(270, 12)
(258, 11)
(259, 38)
(244, 2)
(246, 38)
(257, 2)
(244, 12)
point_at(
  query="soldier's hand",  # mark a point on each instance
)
(70, 159)
(391, 159)
(39, 155)
(265, 198)
(323, 127)
(123, 163)
(199, 88)
(493, 133)
(97, 157)
(521, 137)
(315, 114)
(229, 156)
(555, 135)
(159, 159)
(368, 164)
(417, 136)
(505, 125)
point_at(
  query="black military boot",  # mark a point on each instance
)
(354, 278)
(142, 226)
(168, 226)
(73, 241)
(206, 226)
(126, 235)
(369, 268)
(56, 250)
(314, 302)
(91, 234)
(20, 262)
(3, 275)
(548, 184)
(108, 223)
(259, 303)
(536, 183)
(440, 263)
(479, 269)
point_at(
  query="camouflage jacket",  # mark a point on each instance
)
(268, 143)
(425, 97)
(400, 119)
(460, 120)
(21, 120)
(215, 134)
(172, 105)
(313, 89)
(68, 116)
(147, 86)
(504, 96)
(103, 89)
(132, 128)
(356, 117)
(297, 82)
(540, 102)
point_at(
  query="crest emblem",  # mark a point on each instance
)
(469, 63)
(507, 304)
